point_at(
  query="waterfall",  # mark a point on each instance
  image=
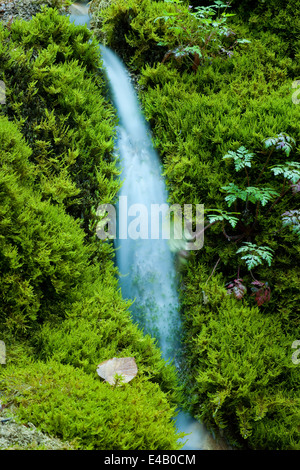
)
(146, 265)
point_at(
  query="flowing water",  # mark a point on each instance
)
(146, 266)
(147, 272)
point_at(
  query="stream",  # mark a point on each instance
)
(146, 265)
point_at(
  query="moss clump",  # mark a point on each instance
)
(17, 436)
(68, 403)
(281, 17)
(42, 248)
(243, 374)
(143, 31)
(55, 92)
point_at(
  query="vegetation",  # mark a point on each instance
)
(228, 135)
(61, 310)
(164, 30)
(216, 82)
(74, 406)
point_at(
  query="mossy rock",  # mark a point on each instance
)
(74, 406)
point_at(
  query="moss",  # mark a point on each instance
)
(280, 17)
(242, 371)
(240, 376)
(54, 90)
(34, 240)
(143, 31)
(59, 293)
(70, 404)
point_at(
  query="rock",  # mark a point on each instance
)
(2, 353)
(19, 437)
(23, 9)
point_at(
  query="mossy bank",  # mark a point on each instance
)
(210, 84)
(61, 310)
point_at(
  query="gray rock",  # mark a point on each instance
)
(23, 9)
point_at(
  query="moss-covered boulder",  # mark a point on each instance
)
(66, 402)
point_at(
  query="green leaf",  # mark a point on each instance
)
(290, 170)
(264, 195)
(280, 142)
(256, 254)
(223, 215)
(292, 219)
(242, 158)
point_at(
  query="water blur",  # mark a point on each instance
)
(79, 13)
(147, 271)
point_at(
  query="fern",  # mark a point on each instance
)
(242, 158)
(296, 187)
(223, 216)
(263, 195)
(255, 255)
(280, 142)
(290, 170)
(251, 194)
(237, 288)
(292, 219)
(261, 291)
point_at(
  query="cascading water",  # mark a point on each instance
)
(146, 266)
(147, 272)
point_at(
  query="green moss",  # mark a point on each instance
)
(242, 372)
(240, 375)
(70, 404)
(59, 293)
(143, 31)
(54, 90)
(129, 28)
(280, 17)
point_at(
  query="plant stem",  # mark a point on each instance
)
(256, 212)
(263, 168)
(252, 275)
(278, 199)
(247, 177)
(197, 235)
(213, 270)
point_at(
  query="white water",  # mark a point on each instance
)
(79, 13)
(146, 267)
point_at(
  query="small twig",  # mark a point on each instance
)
(213, 270)
(248, 181)
(232, 237)
(197, 235)
(252, 275)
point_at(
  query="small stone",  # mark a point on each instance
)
(2, 353)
